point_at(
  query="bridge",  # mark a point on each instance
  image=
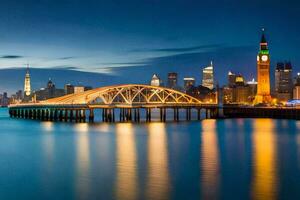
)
(127, 99)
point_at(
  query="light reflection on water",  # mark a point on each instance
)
(82, 182)
(211, 159)
(158, 182)
(264, 161)
(126, 158)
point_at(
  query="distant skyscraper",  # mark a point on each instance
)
(69, 89)
(208, 76)
(188, 82)
(263, 73)
(172, 80)
(296, 91)
(283, 78)
(231, 79)
(27, 87)
(155, 81)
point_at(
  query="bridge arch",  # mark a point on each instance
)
(129, 94)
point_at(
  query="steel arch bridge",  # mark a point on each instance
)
(128, 99)
(126, 95)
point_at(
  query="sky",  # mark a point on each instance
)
(137, 38)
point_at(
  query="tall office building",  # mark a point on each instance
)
(296, 90)
(27, 86)
(208, 76)
(283, 81)
(263, 73)
(283, 77)
(69, 88)
(231, 79)
(172, 80)
(188, 82)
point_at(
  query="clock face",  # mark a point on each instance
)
(264, 58)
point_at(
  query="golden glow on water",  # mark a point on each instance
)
(126, 180)
(83, 160)
(210, 160)
(158, 179)
(264, 162)
(48, 126)
(104, 127)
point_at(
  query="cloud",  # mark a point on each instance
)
(124, 63)
(64, 67)
(66, 58)
(180, 50)
(11, 56)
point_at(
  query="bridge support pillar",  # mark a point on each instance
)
(120, 114)
(91, 115)
(188, 114)
(138, 115)
(148, 114)
(46, 115)
(55, 114)
(77, 115)
(51, 114)
(38, 114)
(60, 115)
(198, 113)
(26, 113)
(162, 114)
(34, 114)
(103, 114)
(176, 114)
(83, 116)
(71, 117)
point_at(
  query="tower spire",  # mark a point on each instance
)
(27, 86)
(263, 37)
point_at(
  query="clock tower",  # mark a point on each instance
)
(263, 73)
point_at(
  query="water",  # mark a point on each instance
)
(211, 159)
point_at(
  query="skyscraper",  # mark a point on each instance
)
(296, 91)
(188, 82)
(231, 79)
(263, 73)
(283, 81)
(27, 87)
(208, 76)
(172, 80)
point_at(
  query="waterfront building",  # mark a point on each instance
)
(172, 80)
(27, 86)
(49, 92)
(69, 89)
(202, 93)
(155, 81)
(208, 76)
(86, 88)
(188, 82)
(296, 90)
(4, 100)
(241, 94)
(227, 95)
(263, 73)
(283, 81)
(252, 89)
(231, 79)
(78, 89)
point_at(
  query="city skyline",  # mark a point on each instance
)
(175, 37)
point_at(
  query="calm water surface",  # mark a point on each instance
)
(211, 159)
